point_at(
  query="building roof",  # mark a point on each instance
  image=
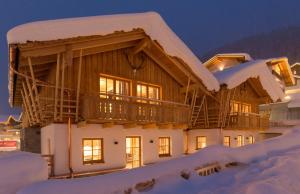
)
(220, 61)
(236, 75)
(151, 22)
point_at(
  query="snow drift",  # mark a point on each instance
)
(19, 169)
(120, 181)
(151, 22)
(236, 75)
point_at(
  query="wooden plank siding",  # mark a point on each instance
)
(244, 93)
(113, 63)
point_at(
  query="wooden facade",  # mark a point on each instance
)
(220, 113)
(57, 80)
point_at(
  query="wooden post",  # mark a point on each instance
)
(26, 109)
(32, 99)
(62, 87)
(78, 85)
(187, 90)
(35, 88)
(56, 86)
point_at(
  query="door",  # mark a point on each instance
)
(133, 152)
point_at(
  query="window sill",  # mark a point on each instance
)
(164, 155)
(93, 162)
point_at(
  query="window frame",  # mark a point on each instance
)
(91, 162)
(115, 78)
(242, 141)
(229, 140)
(169, 147)
(197, 146)
(147, 90)
(251, 137)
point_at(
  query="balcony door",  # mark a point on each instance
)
(133, 152)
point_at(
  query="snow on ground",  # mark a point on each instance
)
(264, 166)
(19, 169)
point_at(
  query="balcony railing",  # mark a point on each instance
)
(248, 121)
(112, 107)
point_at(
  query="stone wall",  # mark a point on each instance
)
(31, 140)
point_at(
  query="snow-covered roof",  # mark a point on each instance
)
(150, 22)
(245, 55)
(236, 75)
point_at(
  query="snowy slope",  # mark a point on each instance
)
(167, 172)
(236, 75)
(19, 169)
(150, 22)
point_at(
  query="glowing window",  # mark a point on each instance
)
(110, 86)
(164, 146)
(148, 91)
(226, 141)
(240, 140)
(251, 139)
(200, 142)
(92, 150)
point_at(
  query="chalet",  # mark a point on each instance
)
(288, 111)
(234, 118)
(106, 92)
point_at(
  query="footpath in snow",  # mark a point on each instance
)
(167, 174)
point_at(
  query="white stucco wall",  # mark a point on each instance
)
(114, 154)
(212, 137)
(215, 137)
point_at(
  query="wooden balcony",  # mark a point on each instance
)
(248, 121)
(123, 109)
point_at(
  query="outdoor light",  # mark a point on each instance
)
(287, 97)
(221, 68)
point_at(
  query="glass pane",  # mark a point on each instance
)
(110, 86)
(102, 87)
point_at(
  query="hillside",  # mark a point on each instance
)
(281, 42)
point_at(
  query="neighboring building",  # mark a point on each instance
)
(232, 117)
(288, 111)
(120, 80)
(10, 134)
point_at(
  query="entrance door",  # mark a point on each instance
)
(133, 152)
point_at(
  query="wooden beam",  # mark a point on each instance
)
(27, 109)
(62, 86)
(35, 88)
(180, 126)
(78, 85)
(129, 125)
(84, 43)
(56, 86)
(33, 103)
(187, 91)
(108, 125)
(32, 112)
(165, 126)
(140, 46)
(163, 66)
(150, 126)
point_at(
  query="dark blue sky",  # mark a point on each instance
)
(201, 24)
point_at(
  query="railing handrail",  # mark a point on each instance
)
(247, 113)
(141, 98)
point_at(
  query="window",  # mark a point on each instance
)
(164, 146)
(251, 139)
(236, 107)
(92, 150)
(110, 86)
(226, 141)
(148, 91)
(200, 142)
(240, 140)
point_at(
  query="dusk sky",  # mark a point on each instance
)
(203, 25)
